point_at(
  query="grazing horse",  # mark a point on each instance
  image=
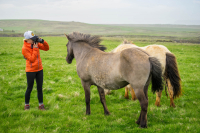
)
(170, 71)
(113, 70)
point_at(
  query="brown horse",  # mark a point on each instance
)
(113, 70)
(169, 71)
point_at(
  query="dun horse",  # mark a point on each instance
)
(170, 71)
(113, 70)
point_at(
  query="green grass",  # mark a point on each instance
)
(64, 96)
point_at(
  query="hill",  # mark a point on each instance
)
(57, 28)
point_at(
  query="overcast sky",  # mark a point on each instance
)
(104, 11)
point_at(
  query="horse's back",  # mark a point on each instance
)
(158, 48)
(135, 66)
(158, 51)
(123, 47)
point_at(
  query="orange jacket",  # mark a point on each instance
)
(32, 56)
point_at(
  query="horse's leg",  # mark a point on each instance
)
(107, 92)
(146, 91)
(146, 95)
(129, 88)
(126, 92)
(103, 100)
(171, 93)
(133, 94)
(142, 120)
(158, 97)
(86, 87)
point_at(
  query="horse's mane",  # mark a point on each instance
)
(127, 42)
(93, 41)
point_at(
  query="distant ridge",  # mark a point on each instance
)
(16, 27)
(188, 22)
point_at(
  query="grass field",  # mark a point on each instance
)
(64, 96)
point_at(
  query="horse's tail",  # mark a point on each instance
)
(156, 74)
(172, 73)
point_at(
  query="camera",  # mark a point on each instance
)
(37, 39)
(40, 40)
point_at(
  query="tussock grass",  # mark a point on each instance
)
(64, 96)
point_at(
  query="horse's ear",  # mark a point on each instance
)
(67, 36)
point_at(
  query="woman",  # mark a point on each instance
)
(34, 69)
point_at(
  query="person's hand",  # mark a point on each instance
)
(35, 45)
(40, 40)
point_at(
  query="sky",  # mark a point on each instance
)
(105, 11)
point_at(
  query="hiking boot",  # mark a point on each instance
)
(41, 107)
(27, 107)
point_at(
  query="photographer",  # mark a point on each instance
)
(34, 69)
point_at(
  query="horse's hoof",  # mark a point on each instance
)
(137, 122)
(107, 113)
(87, 113)
(127, 97)
(172, 105)
(143, 126)
(157, 104)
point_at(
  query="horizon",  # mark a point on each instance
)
(95, 24)
(179, 12)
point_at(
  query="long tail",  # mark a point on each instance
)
(172, 73)
(156, 73)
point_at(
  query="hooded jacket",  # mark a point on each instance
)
(32, 56)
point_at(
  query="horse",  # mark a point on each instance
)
(113, 70)
(170, 71)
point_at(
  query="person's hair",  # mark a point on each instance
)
(26, 40)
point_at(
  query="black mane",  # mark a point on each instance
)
(93, 41)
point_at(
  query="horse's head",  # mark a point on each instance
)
(70, 53)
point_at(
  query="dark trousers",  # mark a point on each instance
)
(30, 81)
